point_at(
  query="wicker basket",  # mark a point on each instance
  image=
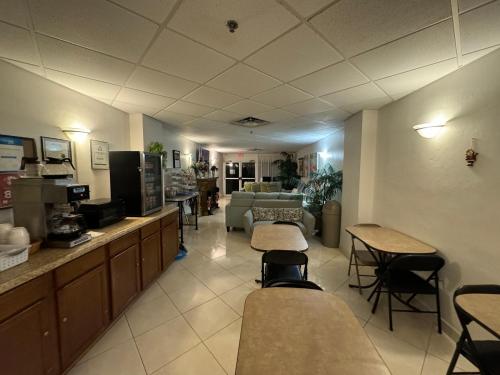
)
(12, 255)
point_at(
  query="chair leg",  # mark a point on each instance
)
(374, 308)
(228, 229)
(456, 354)
(438, 306)
(390, 309)
(357, 274)
(350, 262)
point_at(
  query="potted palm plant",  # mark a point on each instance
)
(287, 171)
(324, 185)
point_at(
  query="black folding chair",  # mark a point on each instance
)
(304, 284)
(484, 354)
(283, 264)
(399, 278)
(361, 258)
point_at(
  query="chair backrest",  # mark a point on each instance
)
(285, 258)
(285, 283)
(417, 263)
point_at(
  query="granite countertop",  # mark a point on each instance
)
(48, 259)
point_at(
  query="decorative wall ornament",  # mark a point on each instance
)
(471, 154)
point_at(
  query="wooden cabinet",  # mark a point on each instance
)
(125, 272)
(83, 310)
(169, 239)
(28, 338)
(150, 258)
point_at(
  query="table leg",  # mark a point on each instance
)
(196, 212)
(181, 220)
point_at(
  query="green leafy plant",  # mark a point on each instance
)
(287, 171)
(323, 186)
(158, 148)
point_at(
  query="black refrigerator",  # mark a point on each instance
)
(137, 178)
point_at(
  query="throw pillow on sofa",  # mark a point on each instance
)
(264, 214)
(248, 187)
(290, 214)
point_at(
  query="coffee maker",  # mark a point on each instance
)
(46, 207)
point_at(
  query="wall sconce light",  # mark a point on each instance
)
(429, 130)
(76, 135)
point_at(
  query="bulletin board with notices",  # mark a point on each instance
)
(12, 151)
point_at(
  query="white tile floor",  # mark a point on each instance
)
(189, 321)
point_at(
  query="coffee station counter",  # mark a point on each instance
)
(48, 259)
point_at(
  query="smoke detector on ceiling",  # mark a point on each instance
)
(232, 25)
(250, 122)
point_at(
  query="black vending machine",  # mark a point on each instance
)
(137, 178)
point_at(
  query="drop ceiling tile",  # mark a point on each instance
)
(402, 84)
(426, 47)
(367, 96)
(465, 5)
(156, 10)
(211, 97)
(243, 81)
(295, 54)
(276, 115)
(174, 118)
(247, 108)
(222, 116)
(90, 87)
(470, 57)
(480, 28)
(308, 107)
(281, 95)
(68, 58)
(357, 26)
(260, 21)
(13, 11)
(16, 44)
(159, 83)
(99, 25)
(190, 60)
(190, 109)
(143, 98)
(334, 78)
(307, 7)
(29, 67)
(135, 108)
(336, 114)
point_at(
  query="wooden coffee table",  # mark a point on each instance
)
(278, 237)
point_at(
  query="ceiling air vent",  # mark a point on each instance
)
(250, 122)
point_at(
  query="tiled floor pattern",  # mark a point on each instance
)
(188, 322)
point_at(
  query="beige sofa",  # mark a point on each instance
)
(306, 225)
(241, 202)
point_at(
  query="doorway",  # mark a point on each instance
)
(237, 173)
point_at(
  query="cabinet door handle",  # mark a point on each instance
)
(64, 320)
(46, 333)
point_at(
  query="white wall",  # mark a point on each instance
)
(423, 186)
(155, 130)
(332, 147)
(32, 106)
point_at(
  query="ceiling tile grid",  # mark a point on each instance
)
(94, 24)
(292, 62)
(357, 26)
(260, 21)
(177, 55)
(299, 52)
(334, 78)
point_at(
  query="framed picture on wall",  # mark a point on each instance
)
(13, 149)
(99, 154)
(176, 158)
(305, 172)
(313, 163)
(55, 148)
(300, 167)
